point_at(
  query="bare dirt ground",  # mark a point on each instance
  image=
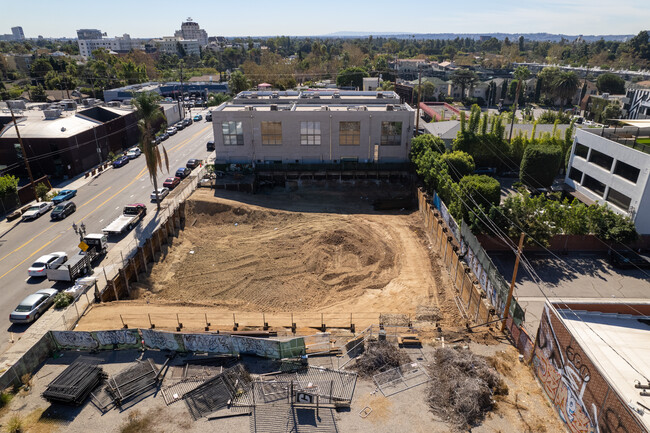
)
(317, 251)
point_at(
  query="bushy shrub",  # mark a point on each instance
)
(539, 165)
(62, 300)
(460, 164)
(479, 190)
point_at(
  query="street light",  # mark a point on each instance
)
(80, 230)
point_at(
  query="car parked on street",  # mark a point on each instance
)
(183, 172)
(62, 210)
(134, 153)
(39, 267)
(208, 117)
(64, 195)
(210, 146)
(164, 136)
(171, 130)
(180, 125)
(193, 163)
(37, 210)
(33, 306)
(198, 117)
(162, 193)
(121, 161)
(187, 121)
(171, 182)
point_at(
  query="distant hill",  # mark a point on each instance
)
(501, 36)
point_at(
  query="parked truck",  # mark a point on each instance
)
(93, 246)
(131, 216)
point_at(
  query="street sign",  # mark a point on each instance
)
(84, 246)
(304, 398)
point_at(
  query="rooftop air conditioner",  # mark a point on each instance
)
(390, 107)
(274, 107)
(336, 95)
(380, 94)
(249, 108)
(324, 108)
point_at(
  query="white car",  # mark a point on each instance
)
(171, 130)
(37, 210)
(162, 193)
(133, 153)
(39, 267)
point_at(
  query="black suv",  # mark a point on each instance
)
(210, 146)
(193, 163)
(183, 172)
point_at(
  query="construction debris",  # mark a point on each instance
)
(462, 386)
(132, 382)
(379, 356)
(409, 340)
(76, 382)
(425, 313)
(223, 390)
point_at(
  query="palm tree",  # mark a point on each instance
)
(521, 73)
(149, 115)
(565, 85)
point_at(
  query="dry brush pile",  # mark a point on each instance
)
(380, 356)
(462, 386)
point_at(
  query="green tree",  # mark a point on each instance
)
(351, 77)
(38, 93)
(566, 85)
(238, 82)
(8, 191)
(215, 99)
(424, 142)
(521, 73)
(465, 79)
(41, 191)
(478, 191)
(539, 166)
(149, 115)
(460, 164)
(610, 83)
(40, 67)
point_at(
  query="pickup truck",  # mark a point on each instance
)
(131, 216)
(81, 263)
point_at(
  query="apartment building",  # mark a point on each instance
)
(191, 30)
(612, 166)
(313, 127)
(90, 40)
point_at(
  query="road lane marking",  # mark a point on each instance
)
(95, 197)
(29, 241)
(29, 256)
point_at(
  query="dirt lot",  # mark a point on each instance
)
(317, 250)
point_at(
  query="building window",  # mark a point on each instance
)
(601, 160)
(271, 133)
(19, 152)
(594, 185)
(391, 133)
(575, 175)
(618, 199)
(581, 150)
(310, 133)
(349, 133)
(233, 133)
(626, 171)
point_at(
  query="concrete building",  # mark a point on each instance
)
(170, 89)
(636, 104)
(18, 33)
(371, 84)
(65, 143)
(171, 44)
(610, 166)
(313, 127)
(191, 30)
(589, 358)
(90, 34)
(90, 40)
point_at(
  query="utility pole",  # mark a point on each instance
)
(417, 119)
(182, 96)
(22, 149)
(512, 283)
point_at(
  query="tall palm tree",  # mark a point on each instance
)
(521, 73)
(150, 115)
(566, 85)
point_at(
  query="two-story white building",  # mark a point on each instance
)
(610, 166)
(313, 127)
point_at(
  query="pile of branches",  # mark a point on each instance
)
(380, 356)
(462, 387)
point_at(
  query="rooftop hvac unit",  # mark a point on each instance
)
(52, 114)
(114, 104)
(275, 95)
(316, 95)
(362, 108)
(336, 95)
(249, 108)
(274, 107)
(380, 94)
(324, 108)
(390, 107)
(254, 95)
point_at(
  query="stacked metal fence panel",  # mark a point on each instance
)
(76, 382)
(225, 389)
(133, 381)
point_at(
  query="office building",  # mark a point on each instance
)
(191, 30)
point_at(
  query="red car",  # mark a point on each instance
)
(171, 182)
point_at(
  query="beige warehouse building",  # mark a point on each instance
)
(313, 127)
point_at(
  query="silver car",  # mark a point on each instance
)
(39, 267)
(33, 306)
(37, 210)
(162, 193)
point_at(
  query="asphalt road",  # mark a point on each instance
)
(98, 203)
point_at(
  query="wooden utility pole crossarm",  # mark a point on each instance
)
(512, 283)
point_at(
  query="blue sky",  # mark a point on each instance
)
(148, 18)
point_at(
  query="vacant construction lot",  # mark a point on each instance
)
(317, 250)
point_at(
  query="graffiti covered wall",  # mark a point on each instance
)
(581, 395)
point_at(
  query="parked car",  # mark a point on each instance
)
(180, 126)
(208, 117)
(187, 121)
(37, 210)
(171, 130)
(64, 195)
(39, 267)
(62, 210)
(134, 153)
(171, 182)
(183, 172)
(162, 193)
(210, 146)
(193, 163)
(33, 306)
(197, 118)
(164, 136)
(628, 260)
(121, 161)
